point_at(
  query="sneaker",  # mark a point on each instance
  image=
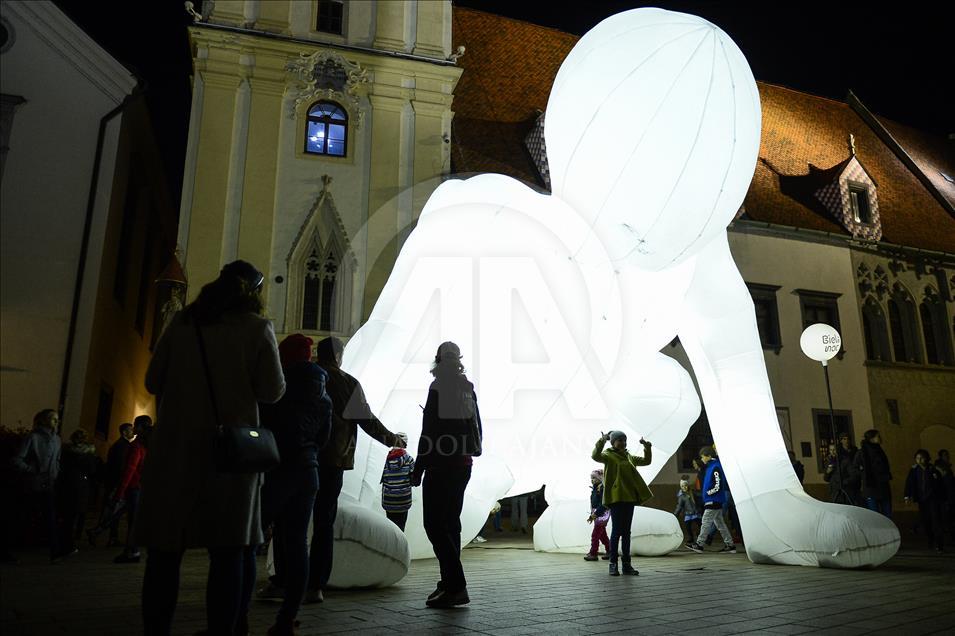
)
(695, 547)
(127, 558)
(613, 569)
(449, 599)
(590, 557)
(728, 549)
(314, 596)
(270, 591)
(479, 539)
(629, 570)
(437, 591)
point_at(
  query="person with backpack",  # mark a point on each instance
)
(301, 422)
(396, 484)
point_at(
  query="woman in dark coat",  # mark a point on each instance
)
(186, 502)
(873, 465)
(301, 423)
(924, 486)
(451, 434)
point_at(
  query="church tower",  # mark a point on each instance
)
(319, 128)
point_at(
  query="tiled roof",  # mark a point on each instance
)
(508, 71)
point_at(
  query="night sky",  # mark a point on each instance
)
(898, 58)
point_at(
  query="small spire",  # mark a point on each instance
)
(326, 181)
(852, 144)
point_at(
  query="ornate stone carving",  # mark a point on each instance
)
(327, 74)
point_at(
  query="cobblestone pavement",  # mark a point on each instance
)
(515, 590)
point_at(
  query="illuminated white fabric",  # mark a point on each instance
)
(561, 302)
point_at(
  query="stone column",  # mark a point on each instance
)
(433, 32)
(219, 71)
(392, 25)
(274, 16)
(384, 185)
(257, 216)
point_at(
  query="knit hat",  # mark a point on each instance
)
(597, 474)
(684, 482)
(615, 435)
(295, 348)
(403, 437)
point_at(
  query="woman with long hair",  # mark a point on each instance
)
(186, 502)
(451, 434)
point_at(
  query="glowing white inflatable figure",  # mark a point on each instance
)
(561, 303)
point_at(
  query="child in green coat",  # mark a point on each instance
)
(624, 489)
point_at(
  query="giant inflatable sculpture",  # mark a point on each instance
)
(562, 302)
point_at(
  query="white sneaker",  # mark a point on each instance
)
(479, 539)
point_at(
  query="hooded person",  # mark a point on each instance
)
(301, 424)
(350, 411)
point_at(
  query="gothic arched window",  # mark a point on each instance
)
(326, 129)
(938, 347)
(318, 297)
(902, 321)
(876, 331)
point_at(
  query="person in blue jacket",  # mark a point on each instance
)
(714, 496)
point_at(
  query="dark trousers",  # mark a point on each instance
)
(398, 518)
(323, 523)
(930, 516)
(442, 493)
(621, 518)
(132, 507)
(228, 589)
(688, 529)
(43, 507)
(287, 501)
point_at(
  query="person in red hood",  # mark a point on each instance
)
(396, 484)
(129, 485)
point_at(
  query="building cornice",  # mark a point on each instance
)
(215, 34)
(762, 228)
(74, 46)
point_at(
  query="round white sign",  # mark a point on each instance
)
(820, 342)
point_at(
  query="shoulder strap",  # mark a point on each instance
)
(205, 366)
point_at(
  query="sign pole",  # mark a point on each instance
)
(841, 493)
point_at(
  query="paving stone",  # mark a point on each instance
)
(519, 591)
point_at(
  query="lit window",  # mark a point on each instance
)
(326, 130)
(330, 16)
(859, 201)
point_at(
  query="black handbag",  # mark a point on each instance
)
(238, 449)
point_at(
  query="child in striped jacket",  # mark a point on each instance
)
(396, 484)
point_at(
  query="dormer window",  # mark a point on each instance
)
(859, 202)
(330, 16)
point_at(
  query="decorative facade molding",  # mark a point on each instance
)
(326, 74)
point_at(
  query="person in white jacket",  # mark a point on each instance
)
(39, 458)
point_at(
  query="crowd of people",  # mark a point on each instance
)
(218, 366)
